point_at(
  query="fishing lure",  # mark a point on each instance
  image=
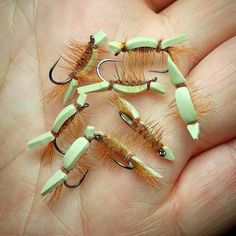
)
(82, 59)
(147, 130)
(146, 45)
(183, 100)
(80, 147)
(115, 148)
(62, 120)
(182, 96)
(130, 81)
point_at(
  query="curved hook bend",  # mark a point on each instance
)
(57, 147)
(128, 120)
(76, 184)
(102, 62)
(131, 165)
(51, 77)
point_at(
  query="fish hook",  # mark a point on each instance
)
(76, 184)
(51, 76)
(102, 62)
(131, 165)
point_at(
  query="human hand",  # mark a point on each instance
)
(198, 197)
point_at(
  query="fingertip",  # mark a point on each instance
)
(157, 5)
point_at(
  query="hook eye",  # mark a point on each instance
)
(91, 40)
(57, 147)
(85, 105)
(162, 152)
(102, 62)
(117, 53)
(51, 76)
(76, 184)
(131, 165)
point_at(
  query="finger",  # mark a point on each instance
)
(207, 23)
(158, 6)
(204, 197)
(217, 125)
(217, 76)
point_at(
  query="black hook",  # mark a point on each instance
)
(131, 165)
(160, 71)
(76, 184)
(127, 119)
(162, 152)
(51, 77)
(57, 147)
(91, 40)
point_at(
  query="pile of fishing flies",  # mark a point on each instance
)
(85, 78)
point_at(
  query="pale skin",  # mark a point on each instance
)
(198, 194)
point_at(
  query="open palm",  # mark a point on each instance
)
(198, 197)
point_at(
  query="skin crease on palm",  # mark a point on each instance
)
(198, 196)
